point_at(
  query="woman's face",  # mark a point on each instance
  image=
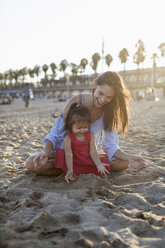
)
(103, 94)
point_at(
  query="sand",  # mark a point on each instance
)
(125, 209)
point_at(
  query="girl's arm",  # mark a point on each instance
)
(68, 158)
(94, 156)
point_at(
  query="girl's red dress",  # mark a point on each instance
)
(82, 162)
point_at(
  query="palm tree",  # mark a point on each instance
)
(10, 77)
(83, 64)
(31, 72)
(45, 69)
(123, 56)
(63, 65)
(36, 71)
(136, 59)
(95, 59)
(1, 80)
(53, 68)
(108, 60)
(5, 79)
(139, 56)
(162, 49)
(44, 81)
(154, 58)
(74, 70)
(23, 72)
(16, 75)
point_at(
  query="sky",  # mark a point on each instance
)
(45, 31)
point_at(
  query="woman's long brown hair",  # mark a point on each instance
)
(116, 112)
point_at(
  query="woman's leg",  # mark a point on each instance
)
(119, 165)
(48, 169)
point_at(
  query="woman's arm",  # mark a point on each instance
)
(56, 135)
(75, 99)
(68, 158)
(58, 131)
(48, 147)
(94, 156)
(135, 161)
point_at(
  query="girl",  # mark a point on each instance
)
(79, 146)
(109, 106)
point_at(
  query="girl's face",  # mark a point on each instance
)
(79, 128)
(103, 94)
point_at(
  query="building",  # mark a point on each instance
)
(135, 80)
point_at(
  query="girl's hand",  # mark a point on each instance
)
(101, 168)
(69, 176)
(40, 159)
(137, 162)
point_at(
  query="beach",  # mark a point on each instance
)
(125, 209)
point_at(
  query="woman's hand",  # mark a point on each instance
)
(69, 176)
(40, 159)
(101, 168)
(137, 162)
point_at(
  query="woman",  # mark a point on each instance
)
(109, 108)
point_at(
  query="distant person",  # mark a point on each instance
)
(152, 95)
(27, 94)
(109, 107)
(140, 95)
(80, 155)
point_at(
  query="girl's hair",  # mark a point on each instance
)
(117, 110)
(76, 113)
